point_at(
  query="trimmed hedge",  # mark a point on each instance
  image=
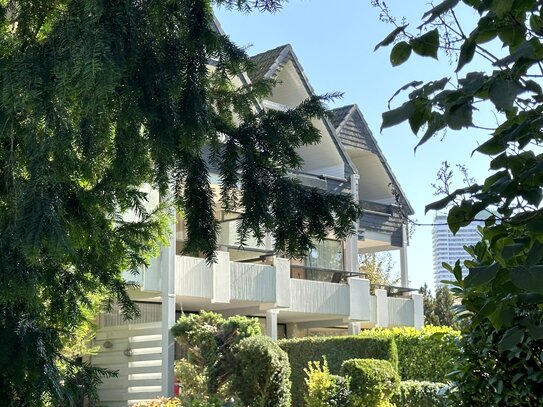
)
(373, 381)
(419, 394)
(336, 350)
(261, 373)
(426, 354)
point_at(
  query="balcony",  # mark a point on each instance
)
(381, 220)
(252, 289)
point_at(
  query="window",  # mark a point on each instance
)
(327, 254)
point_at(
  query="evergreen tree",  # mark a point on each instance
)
(99, 98)
(438, 309)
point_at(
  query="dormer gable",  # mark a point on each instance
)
(292, 87)
(376, 176)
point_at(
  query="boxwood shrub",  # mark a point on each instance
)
(413, 393)
(336, 349)
(373, 381)
(425, 354)
(260, 377)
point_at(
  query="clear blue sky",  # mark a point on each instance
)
(334, 42)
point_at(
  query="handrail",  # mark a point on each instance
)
(392, 289)
(321, 176)
(336, 276)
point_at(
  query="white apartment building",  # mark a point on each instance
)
(448, 248)
(290, 297)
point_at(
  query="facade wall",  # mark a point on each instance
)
(135, 352)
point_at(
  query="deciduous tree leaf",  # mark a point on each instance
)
(459, 116)
(501, 7)
(435, 124)
(398, 115)
(389, 39)
(536, 24)
(524, 50)
(484, 312)
(486, 30)
(427, 44)
(438, 205)
(512, 337)
(503, 93)
(528, 278)
(533, 86)
(438, 10)
(536, 331)
(467, 51)
(412, 84)
(419, 116)
(400, 53)
(535, 254)
(481, 275)
(493, 146)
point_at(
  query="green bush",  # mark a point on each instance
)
(261, 374)
(207, 339)
(373, 381)
(160, 402)
(413, 393)
(325, 389)
(337, 349)
(427, 354)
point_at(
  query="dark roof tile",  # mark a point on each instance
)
(337, 115)
(264, 61)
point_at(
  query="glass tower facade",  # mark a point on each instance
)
(447, 248)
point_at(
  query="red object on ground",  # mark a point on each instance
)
(176, 388)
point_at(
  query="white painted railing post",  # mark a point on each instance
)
(359, 299)
(221, 278)
(282, 282)
(418, 310)
(271, 323)
(382, 308)
(168, 314)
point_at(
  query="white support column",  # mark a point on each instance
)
(271, 323)
(354, 328)
(351, 243)
(404, 273)
(382, 308)
(418, 309)
(168, 314)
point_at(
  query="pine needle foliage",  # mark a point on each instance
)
(97, 99)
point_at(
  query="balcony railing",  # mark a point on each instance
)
(393, 291)
(322, 274)
(378, 208)
(287, 287)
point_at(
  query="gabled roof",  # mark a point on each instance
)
(337, 115)
(353, 132)
(268, 65)
(265, 61)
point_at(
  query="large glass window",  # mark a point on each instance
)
(327, 254)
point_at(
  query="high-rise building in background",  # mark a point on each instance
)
(447, 248)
